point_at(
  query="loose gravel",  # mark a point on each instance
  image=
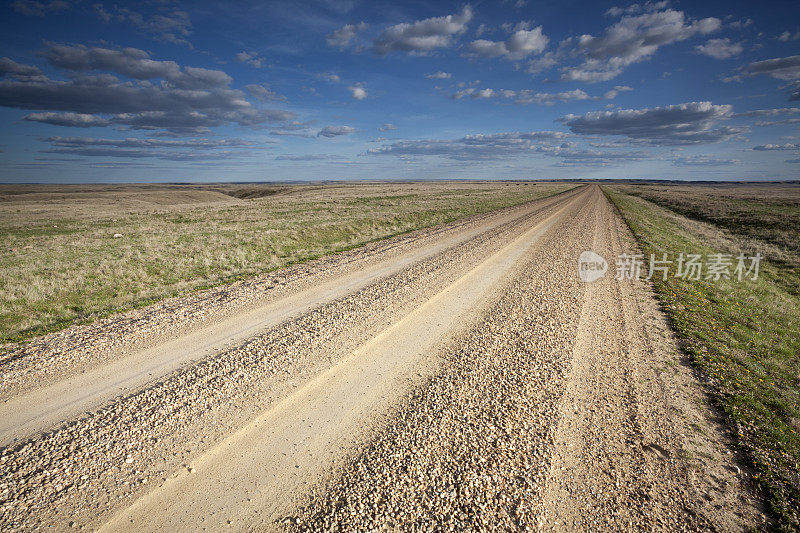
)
(84, 470)
(482, 444)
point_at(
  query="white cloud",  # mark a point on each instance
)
(703, 161)
(527, 96)
(635, 9)
(164, 95)
(164, 24)
(262, 93)
(544, 62)
(387, 127)
(784, 122)
(307, 157)
(173, 150)
(613, 93)
(769, 112)
(20, 71)
(357, 91)
(631, 40)
(507, 145)
(335, 131)
(251, 58)
(345, 35)
(741, 23)
(720, 48)
(776, 147)
(133, 63)
(423, 36)
(75, 120)
(333, 78)
(439, 76)
(689, 123)
(788, 36)
(521, 44)
(782, 68)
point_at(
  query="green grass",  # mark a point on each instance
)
(744, 337)
(60, 265)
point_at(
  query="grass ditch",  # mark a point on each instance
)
(744, 337)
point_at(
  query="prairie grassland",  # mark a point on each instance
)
(60, 262)
(768, 214)
(744, 336)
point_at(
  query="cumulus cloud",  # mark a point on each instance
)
(782, 68)
(535, 66)
(357, 91)
(689, 123)
(521, 44)
(74, 120)
(345, 35)
(776, 147)
(335, 131)
(631, 40)
(164, 96)
(613, 93)
(20, 71)
(529, 97)
(295, 128)
(133, 63)
(422, 36)
(387, 127)
(788, 36)
(251, 58)
(720, 48)
(439, 76)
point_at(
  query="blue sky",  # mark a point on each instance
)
(206, 91)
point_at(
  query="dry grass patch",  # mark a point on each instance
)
(60, 262)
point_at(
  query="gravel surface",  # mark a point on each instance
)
(83, 470)
(538, 421)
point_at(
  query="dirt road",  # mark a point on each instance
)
(456, 377)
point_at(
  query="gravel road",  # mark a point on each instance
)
(460, 377)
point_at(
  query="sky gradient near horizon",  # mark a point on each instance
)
(205, 91)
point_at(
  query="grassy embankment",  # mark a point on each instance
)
(743, 336)
(60, 263)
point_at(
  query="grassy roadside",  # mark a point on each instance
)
(744, 337)
(60, 263)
